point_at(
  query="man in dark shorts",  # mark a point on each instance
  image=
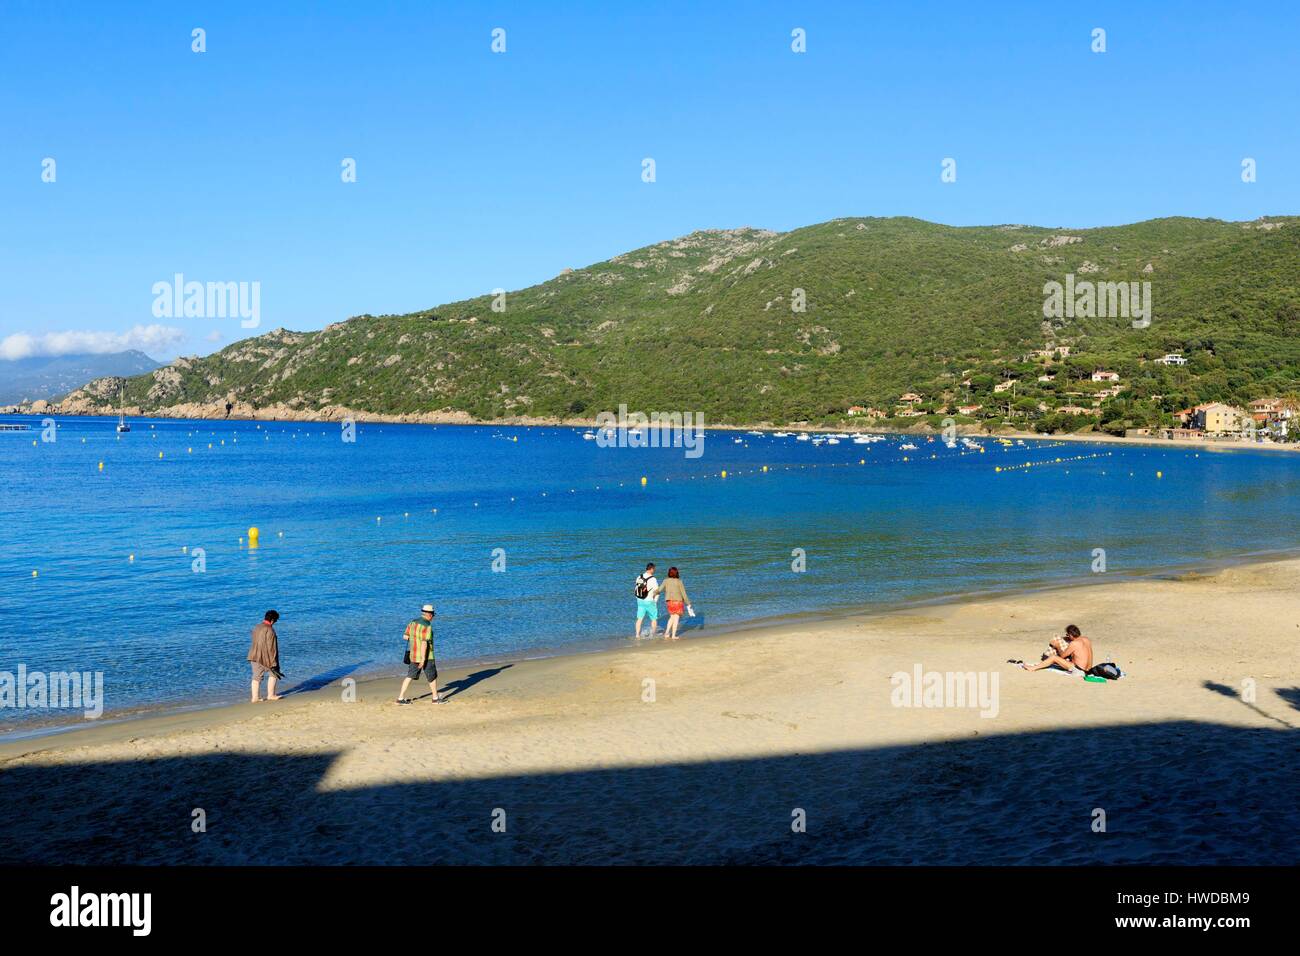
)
(419, 654)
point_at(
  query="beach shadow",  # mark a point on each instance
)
(690, 623)
(1227, 691)
(324, 679)
(455, 687)
(1176, 792)
(1291, 695)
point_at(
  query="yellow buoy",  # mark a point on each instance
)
(34, 573)
(724, 473)
(643, 481)
(131, 558)
(160, 454)
(1160, 474)
(252, 537)
(101, 466)
(765, 468)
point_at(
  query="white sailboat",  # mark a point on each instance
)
(122, 426)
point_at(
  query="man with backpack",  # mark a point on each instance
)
(646, 590)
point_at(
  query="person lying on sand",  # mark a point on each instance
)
(1073, 650)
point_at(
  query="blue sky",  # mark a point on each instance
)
(478, 170)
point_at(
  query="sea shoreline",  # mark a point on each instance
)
(142, 715)
(463, 419)
(701, 751)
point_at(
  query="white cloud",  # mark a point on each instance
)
(153, 339)
(214, 336)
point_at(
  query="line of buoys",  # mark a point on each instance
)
(1058, 461)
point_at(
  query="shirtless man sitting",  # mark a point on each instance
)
(1066, 654)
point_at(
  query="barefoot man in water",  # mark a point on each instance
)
(264, 655)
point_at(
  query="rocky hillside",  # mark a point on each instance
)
(753, 326)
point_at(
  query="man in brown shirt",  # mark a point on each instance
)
(265, 656)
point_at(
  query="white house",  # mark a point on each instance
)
(1173, 358)
(1102, 376)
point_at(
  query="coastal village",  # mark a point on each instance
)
(1043, 394)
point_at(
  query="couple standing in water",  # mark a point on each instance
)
(647, 591)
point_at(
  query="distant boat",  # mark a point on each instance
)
(122, 426)
(15, 427)
(832, 441)
(803, 436)
(782, 434)
(589, 436)
(908, 447)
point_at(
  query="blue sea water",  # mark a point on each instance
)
(355, 536)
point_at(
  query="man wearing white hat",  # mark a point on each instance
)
(419, 654)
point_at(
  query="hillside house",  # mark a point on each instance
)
(1216, 418)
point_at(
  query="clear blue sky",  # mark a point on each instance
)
(478, 170)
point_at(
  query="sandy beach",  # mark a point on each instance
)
(709, 749)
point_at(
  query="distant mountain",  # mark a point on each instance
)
(45, 377)
(750, 326)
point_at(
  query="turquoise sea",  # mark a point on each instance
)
(354, 536)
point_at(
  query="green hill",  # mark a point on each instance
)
(705, 323)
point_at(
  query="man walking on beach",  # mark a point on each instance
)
(264, 654)
(419, 654)
(647, 600)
